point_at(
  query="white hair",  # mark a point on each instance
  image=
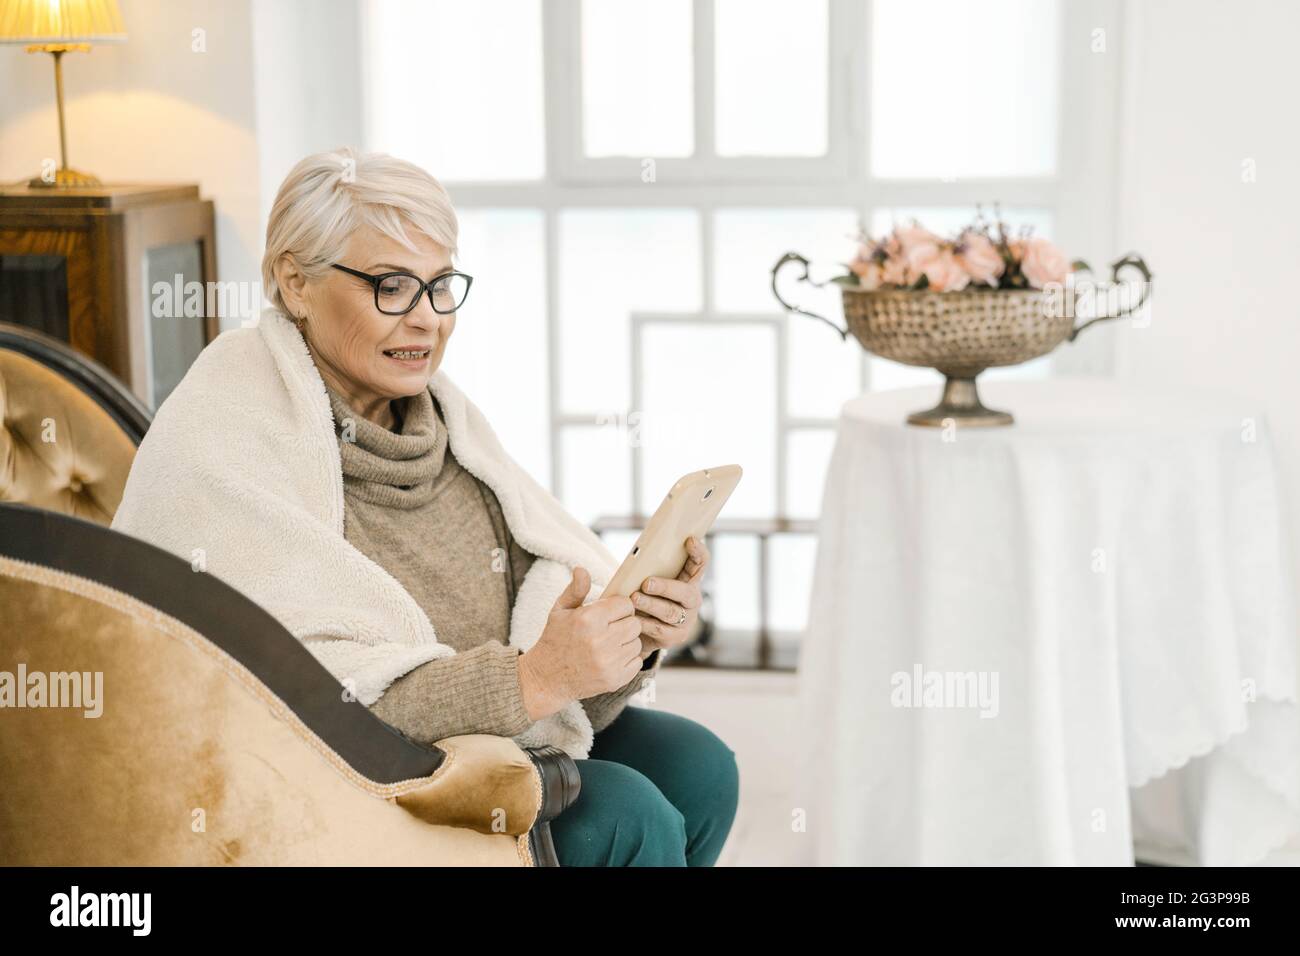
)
(328, 196)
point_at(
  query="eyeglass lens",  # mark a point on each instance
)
(399, 293)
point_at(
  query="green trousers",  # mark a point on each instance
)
(658, 790)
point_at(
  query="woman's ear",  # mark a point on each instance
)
(292, 283)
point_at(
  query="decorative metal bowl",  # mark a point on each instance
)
(960, 334)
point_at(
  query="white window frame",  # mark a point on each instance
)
(570, 165)
(1081, 195)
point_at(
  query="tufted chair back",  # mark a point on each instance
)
(68, 428)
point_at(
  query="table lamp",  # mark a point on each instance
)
(58, 27)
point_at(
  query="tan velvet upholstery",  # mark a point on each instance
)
(194, 761)
(58, 449)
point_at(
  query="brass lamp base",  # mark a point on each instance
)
(960, 404)
(65, 179)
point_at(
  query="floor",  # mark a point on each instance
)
(753, 711)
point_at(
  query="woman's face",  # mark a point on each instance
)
(353, 342)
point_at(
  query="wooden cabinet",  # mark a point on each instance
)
(82, 265)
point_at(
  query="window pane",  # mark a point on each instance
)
(614, 262)
(748, 242)
(620, 542)
(638, 78)
(504, 250)
(823, 370)
(596, 471)
(947, 220)
(961, 89)
(710, 399)
(435, 98)
(790, 572)
(886, 375)
(808, 453)
(735, 576)
(770, 77)
(1040, 367)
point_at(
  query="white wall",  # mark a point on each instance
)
(306, 57)
(231, 108)
(151, 109)
(1209, 87)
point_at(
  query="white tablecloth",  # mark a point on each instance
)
(1116, 562)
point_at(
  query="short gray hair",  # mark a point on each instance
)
(327, 196)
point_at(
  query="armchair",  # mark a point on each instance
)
(68, 427)
(152, 715)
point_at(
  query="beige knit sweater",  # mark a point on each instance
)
(412, 509)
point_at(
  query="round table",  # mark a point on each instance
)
(1044, 643)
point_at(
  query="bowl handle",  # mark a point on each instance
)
(1134, 261)
(784, 261)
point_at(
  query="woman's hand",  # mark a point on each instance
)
(584, 650)
(668, 607)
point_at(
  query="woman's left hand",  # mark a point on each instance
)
(668, 607)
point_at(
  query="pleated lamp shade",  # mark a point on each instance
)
(61, 21)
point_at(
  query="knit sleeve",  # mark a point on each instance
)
(473, 692)
(603, 709)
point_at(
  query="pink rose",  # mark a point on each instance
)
(907, 237)
(868, 272)
(980, 258)
(916, 246)
(893, 265)
(945, 273)
(894, 272)
(1043, 263)
(918, 256)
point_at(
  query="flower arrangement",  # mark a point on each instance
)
(982, 256)
(951, 319)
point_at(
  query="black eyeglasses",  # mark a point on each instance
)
(397, 293)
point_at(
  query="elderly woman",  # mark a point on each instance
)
(323, 464)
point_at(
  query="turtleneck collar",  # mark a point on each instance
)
(393, 468)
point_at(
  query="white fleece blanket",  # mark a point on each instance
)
(240, 475)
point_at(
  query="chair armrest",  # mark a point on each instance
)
(560, 787)
(560, 781)
(484, 783)
(491, 785)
